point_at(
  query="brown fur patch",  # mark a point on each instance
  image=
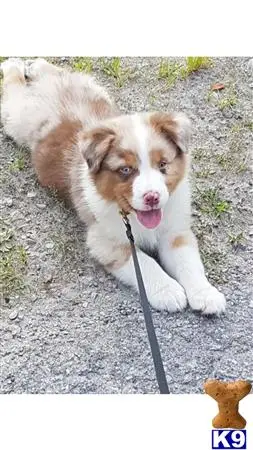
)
(163, 124)
(176, 167)
(111, 184)
(121, 255)
(101, 108)
(53, 156)
(179, 241)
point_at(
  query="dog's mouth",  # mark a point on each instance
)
(149, 219)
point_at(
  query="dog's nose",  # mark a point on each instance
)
(151, 198)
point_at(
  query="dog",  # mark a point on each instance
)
(105, 162)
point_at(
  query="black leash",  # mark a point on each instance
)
(155, 350)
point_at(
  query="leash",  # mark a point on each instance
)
(155, 350)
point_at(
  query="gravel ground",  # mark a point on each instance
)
(66, 326)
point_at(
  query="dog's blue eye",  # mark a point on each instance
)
(126, 170)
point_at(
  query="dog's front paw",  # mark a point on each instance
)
(208, 300)
(170, 297)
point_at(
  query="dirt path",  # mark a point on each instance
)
(66, 326)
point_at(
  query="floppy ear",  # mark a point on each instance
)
(95, 146)
(175, 127)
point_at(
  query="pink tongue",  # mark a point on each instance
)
(150, 219)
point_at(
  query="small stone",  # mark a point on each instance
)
(31, 194)
(94, 295)
(41, 205)
(251, 304)
(13, 315)
(85, 304)
(48, 278)
(50, 245)
(8, 202)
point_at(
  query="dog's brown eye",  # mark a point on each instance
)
(126, 170)
(163, 165)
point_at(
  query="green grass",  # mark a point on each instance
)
(13, 261)
(113, 68)
(204, 173)
(17, 165)
(236, 239)
(170, 71)
(227, 102)
(241, 126)
(225, 99)
(83, 64)
(173, 71)
(209, 202)
(195, 63)
(199, 154)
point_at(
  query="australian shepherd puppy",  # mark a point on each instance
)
(106, 162)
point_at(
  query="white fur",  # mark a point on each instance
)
(23, 110)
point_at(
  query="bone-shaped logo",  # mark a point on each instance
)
(228, 396)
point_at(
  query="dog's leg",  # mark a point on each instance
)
(163, 292)
(181, 259)
(35, 68)
(13, 72)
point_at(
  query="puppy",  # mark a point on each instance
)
(106, 162)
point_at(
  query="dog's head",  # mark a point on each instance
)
(138, 160)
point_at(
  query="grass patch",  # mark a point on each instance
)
(169, 71)
(195, 63)
(13, 261)
(231, 163)
(234, 159)
(242, 126)
(224, 99)
(209, 202)
(83, 64)
(199, 154)
(17, 165)
(173, 71)
(236, 239)
(205, 173)
(113, 68)
(227, 102)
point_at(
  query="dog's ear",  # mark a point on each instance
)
(175, 127)
(96, 144)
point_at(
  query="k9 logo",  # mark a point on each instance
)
(227, 439)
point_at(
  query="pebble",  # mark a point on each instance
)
(85, 304)
(41, 205)
(13, 315)
(94, 295)
(48, 278)
(50, 245)
(31, 194)
(8, 202)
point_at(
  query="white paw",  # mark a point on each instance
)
(11, 64)
(208, 300)
(170, 297)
